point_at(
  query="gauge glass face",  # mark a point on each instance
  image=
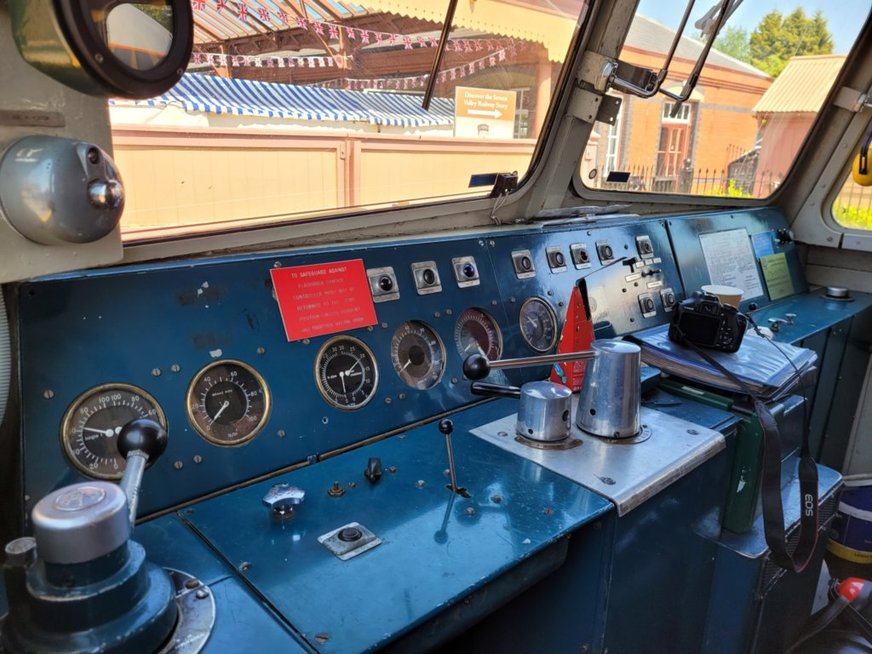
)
(346, 372)
(228, 403)
(538, 324)
(477, 333)
(418, 355)
(91, 425)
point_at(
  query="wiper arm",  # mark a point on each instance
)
(440, 52)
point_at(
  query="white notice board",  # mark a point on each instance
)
(730, 261)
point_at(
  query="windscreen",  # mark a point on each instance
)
(298, 109)
(766, 78)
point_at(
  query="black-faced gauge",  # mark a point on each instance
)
(91, 425)
(477, 333)
(418, 355)
(346, 372)
(228, 402)
(538, 324)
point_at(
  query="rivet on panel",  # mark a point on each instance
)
(198, 458)
(280, 433)
(261, 350)
(48, 393)
(155, 372)
(178, 465)
(175, 367)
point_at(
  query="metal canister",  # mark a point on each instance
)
(609, 403)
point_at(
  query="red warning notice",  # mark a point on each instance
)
(324, 298)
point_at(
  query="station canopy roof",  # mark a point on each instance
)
(242, 97)
(552, 26)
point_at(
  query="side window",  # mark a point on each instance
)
(852, 207)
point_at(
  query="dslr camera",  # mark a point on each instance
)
(704, 321)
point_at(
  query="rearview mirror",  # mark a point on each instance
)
(111, 48)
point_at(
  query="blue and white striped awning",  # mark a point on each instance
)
(241, 97)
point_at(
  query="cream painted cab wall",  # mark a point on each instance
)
(27, 92)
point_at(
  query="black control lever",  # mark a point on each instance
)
(495, 390)
(141, 442)
(477, 366)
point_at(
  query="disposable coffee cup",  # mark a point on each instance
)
(726, 294)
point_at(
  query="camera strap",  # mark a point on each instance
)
(773, 510)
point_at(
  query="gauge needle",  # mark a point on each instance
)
(348, 372)
(532, 321)
(408, 363)
(221, 410)
(108, 433)
(342, 379)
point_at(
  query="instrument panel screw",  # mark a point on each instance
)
(449, 312)
(494, 303)
(175, 367)
(420, 483)
(369, 328)
(502, 433)
(469, 511)
(402, 396)
(178, 465)
(548, 511)
(306, 341)
(280, 433)
(496, 499)
(437, 314)
(261, 350)
(245, 566)
(155, 372)
(48, 393)
(190, 584)
(392, 469)
(198, 458)
(454, 380)
(277, 264)
(513, 300)
(388, 400)
(201, 594)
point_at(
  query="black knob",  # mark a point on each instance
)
(649, 304)
(428, 276)
(143, 435)
(670, 299)
(582, 256)
(558, 259)
(373, 470)
(476, 366)
(446, 426)
(526, 264)
(385, 283)
(468, 270)
(607, 252)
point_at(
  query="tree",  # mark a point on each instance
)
(734, 41)
(777, 38)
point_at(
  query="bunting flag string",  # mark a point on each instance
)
(418, 81)
(264, 61)
(332, 31)
(414, 81)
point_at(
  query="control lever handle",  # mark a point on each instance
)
(495, 390)
(282, 499)
(140, 442)
(477, 366)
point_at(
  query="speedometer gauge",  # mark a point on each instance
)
(418, 355)
(538, 324)
(228, 402)
(91, 426)
(477, 333)
(346, 372)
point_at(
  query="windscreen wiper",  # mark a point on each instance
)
(440, 52)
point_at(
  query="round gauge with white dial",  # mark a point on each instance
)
(228, 402)
(538, 324)
(90, 428)
(346, 372)
(418, 355)
(477, 333)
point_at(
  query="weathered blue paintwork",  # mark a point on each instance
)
(438, 547)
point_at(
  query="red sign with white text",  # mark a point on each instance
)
(324, 298)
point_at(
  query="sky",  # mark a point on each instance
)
(844, 17)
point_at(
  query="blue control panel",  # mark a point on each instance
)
(147, 340)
